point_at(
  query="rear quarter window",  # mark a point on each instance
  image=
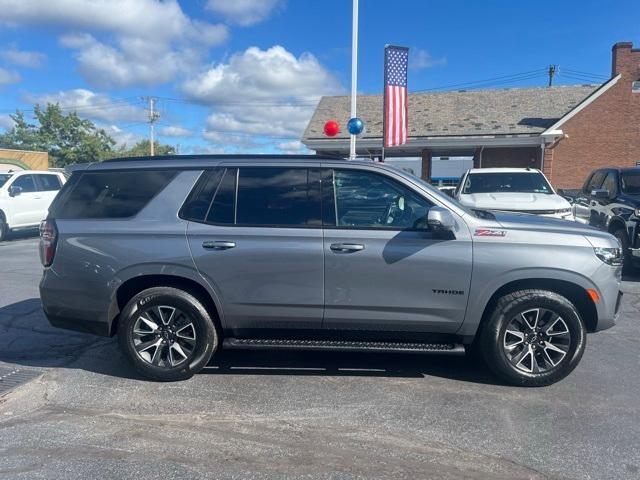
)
(111, 194)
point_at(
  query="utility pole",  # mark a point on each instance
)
(552, 72)
(153, 118)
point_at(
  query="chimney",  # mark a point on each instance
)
(626, 61)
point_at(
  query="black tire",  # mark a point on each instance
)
(203, 326)
(627, 258)
(493, 338)
(4, 228)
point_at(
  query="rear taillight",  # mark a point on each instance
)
(48, 240)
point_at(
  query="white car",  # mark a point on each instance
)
(25, 197)
(522, 190)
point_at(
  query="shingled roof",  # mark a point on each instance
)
(511, 111)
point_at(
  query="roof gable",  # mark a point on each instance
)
(460, 113)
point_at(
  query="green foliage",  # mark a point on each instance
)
(142, 149)
(68, 138)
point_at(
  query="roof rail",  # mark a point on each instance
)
(224, 157)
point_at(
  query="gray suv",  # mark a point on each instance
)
(183, 256)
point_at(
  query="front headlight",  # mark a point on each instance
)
(636, 212)
(610, 256)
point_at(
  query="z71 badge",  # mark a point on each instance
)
(487, 232)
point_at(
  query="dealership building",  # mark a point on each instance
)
(566, 131)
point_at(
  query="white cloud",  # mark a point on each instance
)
(244, 12)
(122, 137)
(262, 92)
(420, 59)
(97, 106)
(293, 147)
(146, 42)
(175, 131)
(8, 76)
(6, 122)
(23, 58)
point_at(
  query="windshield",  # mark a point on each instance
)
(527, 182)
(4, 177)
(630, 182)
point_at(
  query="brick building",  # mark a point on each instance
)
(566, 130)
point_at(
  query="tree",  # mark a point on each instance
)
(67, 138)
(142, 149)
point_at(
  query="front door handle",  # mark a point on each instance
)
(346, 247)
(218, 245)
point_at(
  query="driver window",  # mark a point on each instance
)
(26, 183)
(368, 200)
(609, 183)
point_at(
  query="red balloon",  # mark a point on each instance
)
(331, 128)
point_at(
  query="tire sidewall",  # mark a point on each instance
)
(4, 229)
(206, 335)
(493, 346)
(621, 235)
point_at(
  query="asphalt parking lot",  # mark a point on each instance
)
(70, 407)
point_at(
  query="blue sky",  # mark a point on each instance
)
(244, 75)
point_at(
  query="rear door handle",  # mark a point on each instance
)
(218, 245)
(346, 247)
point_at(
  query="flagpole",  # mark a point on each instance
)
(384, 100)
(354, 76)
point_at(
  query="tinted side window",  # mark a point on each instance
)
(595, 181)
(112, 194)
(609, 183)
(49, 183)
(369, 200)
(275, 196)
(222, 210)
(26, 183)
(197, 204)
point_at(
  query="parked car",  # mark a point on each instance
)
(522, 190)
(25, 197)
(610, 200)
(184, 255)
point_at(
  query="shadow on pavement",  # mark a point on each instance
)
(22, 234)
(27, 339)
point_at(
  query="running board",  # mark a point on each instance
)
(343, 346)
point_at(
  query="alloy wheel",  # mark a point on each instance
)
(536, 340)
(164, 336)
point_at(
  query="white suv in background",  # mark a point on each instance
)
(521, 190)
(25, 197)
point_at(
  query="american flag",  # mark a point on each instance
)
(396, 60)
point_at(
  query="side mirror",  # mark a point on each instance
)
(14, 191)
(599, 193)
(441, 220)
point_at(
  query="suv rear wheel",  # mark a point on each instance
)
(4, 228)
(167, 334)
(533, 338)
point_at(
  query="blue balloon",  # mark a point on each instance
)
(355, 126)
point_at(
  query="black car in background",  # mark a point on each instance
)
(610, 201)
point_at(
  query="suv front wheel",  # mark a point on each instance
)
(167, 334)
(533, 338)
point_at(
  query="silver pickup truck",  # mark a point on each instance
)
(183, 256)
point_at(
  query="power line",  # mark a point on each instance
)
(500, 79)
(586, 74)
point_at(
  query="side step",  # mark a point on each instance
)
(344, 346)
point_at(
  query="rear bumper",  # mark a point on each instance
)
(71, 309)
(86, 326)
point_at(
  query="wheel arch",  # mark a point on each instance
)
(573, 292)
(131, 287)
(616, 223)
